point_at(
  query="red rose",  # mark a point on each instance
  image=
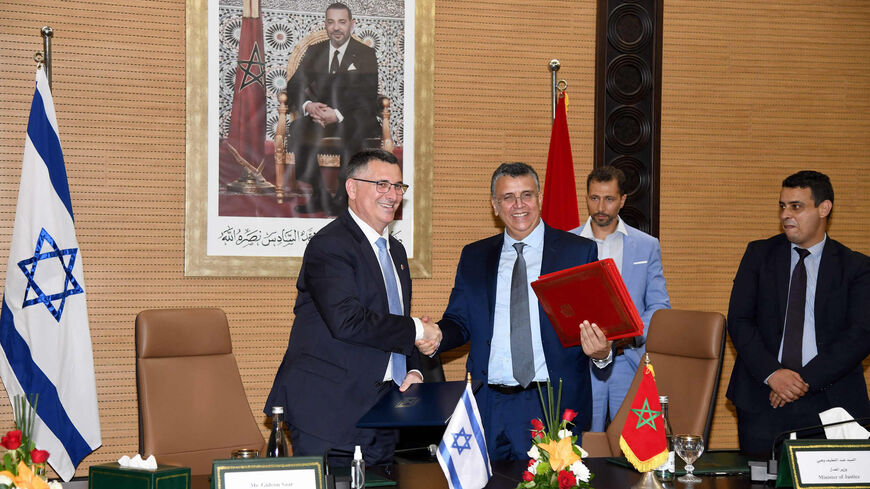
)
(528, 476)
(12, 440)
(569, 415)
(38, 456)
(567, 480)
(537, 435)
(537, 425)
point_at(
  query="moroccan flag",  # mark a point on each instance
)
(560, 195)
(643, 437)
(247, 133)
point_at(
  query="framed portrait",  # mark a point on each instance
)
(260, 181)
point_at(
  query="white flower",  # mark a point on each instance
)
(534, 453)
(55, 485)
(5, 480)
(583, 453)
(534, 467)
(565, 434)
(581, 472)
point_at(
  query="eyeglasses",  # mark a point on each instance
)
(510, 199)
(383, 186)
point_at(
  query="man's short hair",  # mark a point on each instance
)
(340, 6)
(515, 169)
(818, 183)
(360, 161)
(607, 173)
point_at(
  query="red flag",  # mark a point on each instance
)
(247, 134)
(643, 437)
(560, 195)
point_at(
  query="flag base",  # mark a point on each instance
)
(648, 481)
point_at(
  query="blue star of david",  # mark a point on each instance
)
(465, 437)
(70, 285)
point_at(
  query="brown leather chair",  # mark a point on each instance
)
(192, 405)
(685, 349)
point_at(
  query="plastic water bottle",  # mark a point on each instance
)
(278, 445)
(357, 470)
(665, 471)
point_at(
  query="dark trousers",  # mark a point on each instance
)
(378, 446)
(760, 432)
(508, 423)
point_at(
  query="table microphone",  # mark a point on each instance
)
(772, 465)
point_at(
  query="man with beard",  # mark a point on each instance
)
(638, 258)
(335, 89)
(798, 320)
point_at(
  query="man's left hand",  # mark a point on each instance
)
(595, 344)
(327, 116)
(410, 378)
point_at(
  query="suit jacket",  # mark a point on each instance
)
(343, 334)
(353, 90)
(469, 317)
(644, 278)
(756, 317)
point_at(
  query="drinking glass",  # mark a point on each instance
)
(689, 448)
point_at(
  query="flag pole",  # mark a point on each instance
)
(554, 67)
(47, 34)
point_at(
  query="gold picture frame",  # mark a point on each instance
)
(197, 261)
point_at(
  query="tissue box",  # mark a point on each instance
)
(113, 476)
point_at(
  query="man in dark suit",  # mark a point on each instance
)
(335, 89)
(513, 344)
(352, 335)
(798, 320)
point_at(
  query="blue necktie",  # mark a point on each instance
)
(399, 368)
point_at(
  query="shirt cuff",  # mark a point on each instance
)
(604, 362)
(339, 116)
(418, 328)
(419, 372)
(305, 108)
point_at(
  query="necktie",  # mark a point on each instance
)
(792, 343)
(521, 329)
(333, 66)
(399, 369)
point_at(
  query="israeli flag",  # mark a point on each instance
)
(462, 451)
(45, 344)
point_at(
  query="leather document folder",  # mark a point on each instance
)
(593, 292)
(425, 404)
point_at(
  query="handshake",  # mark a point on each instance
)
(428, 345)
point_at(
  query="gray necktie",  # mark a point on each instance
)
(521, 329)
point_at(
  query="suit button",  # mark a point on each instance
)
(488, 343)
(483, 372)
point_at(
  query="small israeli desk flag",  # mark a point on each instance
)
(462, 451)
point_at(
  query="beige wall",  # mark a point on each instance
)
(751, 92)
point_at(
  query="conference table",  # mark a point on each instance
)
(506, 475)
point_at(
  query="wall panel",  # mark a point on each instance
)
(750, 92)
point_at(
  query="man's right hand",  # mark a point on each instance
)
(431, 336)
(787, 385)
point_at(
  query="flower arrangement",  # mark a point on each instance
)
(23, 464)
(556, 462)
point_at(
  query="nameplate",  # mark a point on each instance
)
(825, 464)
(269, 473)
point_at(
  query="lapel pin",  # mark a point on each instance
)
(402, 266)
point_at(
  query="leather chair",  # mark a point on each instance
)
(192, 405)
(685, 349)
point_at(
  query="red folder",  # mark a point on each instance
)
(593, 292)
